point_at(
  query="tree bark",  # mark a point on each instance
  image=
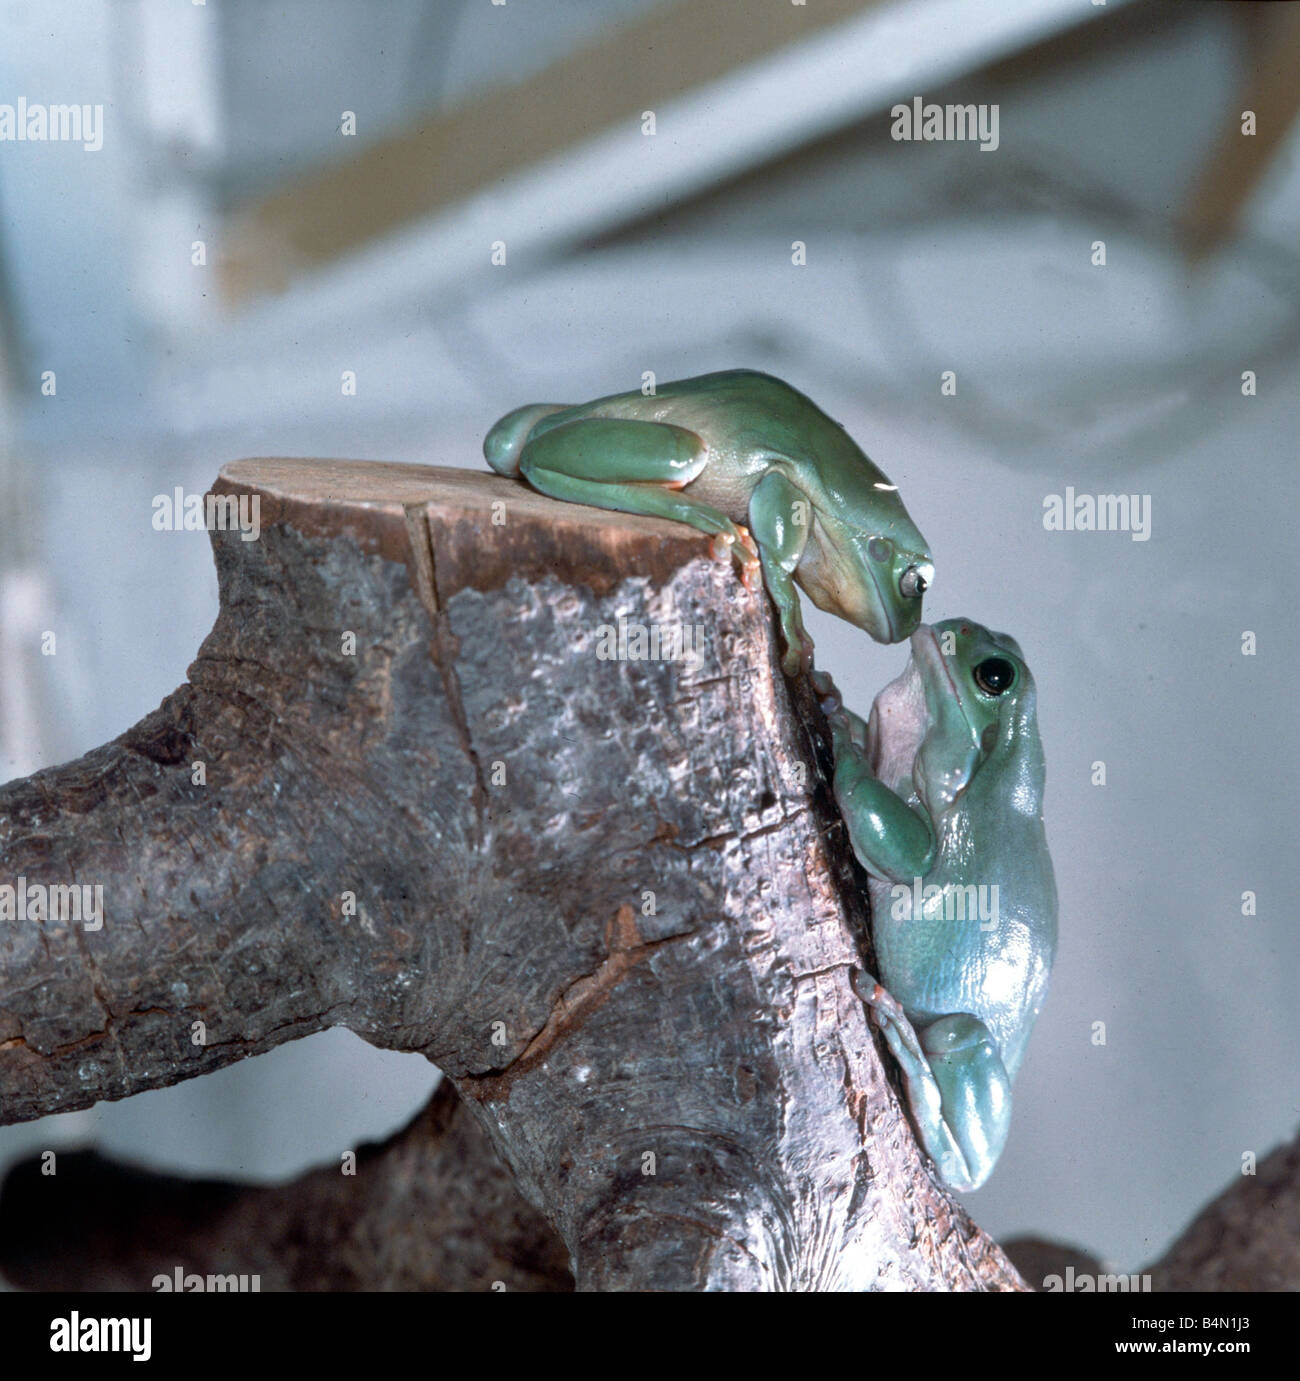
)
(611, 899)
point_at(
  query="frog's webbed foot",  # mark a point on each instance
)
(848, 730)
(827, 692)
(751, 572)
(798, 655)
(888, 1014)
(798, 651)
(736, 542)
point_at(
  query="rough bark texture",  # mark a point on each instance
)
(611, 900)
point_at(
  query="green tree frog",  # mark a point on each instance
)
(734, 454)
(942, 794)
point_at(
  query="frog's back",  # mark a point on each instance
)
(753, 422)
(748, 417)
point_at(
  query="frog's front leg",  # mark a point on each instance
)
(632, 467)
(958, 1089)
(890, 839)
(780, 516)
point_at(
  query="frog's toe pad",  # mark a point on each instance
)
(739, 545)
(867, 988)
(885, 1007)
(793, 661)
(828, 696)
(798, 655)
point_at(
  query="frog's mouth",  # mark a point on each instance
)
(949, 753)
(823, 572)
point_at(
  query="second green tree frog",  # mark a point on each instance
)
(942, 794)
(734, 454)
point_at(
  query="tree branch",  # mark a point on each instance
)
(610, 899)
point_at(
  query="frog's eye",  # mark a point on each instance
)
(915, 581)
(995, 675)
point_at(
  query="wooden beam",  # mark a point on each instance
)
(733, 84)
(1271, 89)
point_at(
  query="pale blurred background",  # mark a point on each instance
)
(225, 123)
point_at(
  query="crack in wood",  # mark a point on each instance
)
(443, 646)
(625, 949)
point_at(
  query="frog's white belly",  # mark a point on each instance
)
(725, 488)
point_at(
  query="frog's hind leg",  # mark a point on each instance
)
(632, 467)
(958, 1089)
(503, 445)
